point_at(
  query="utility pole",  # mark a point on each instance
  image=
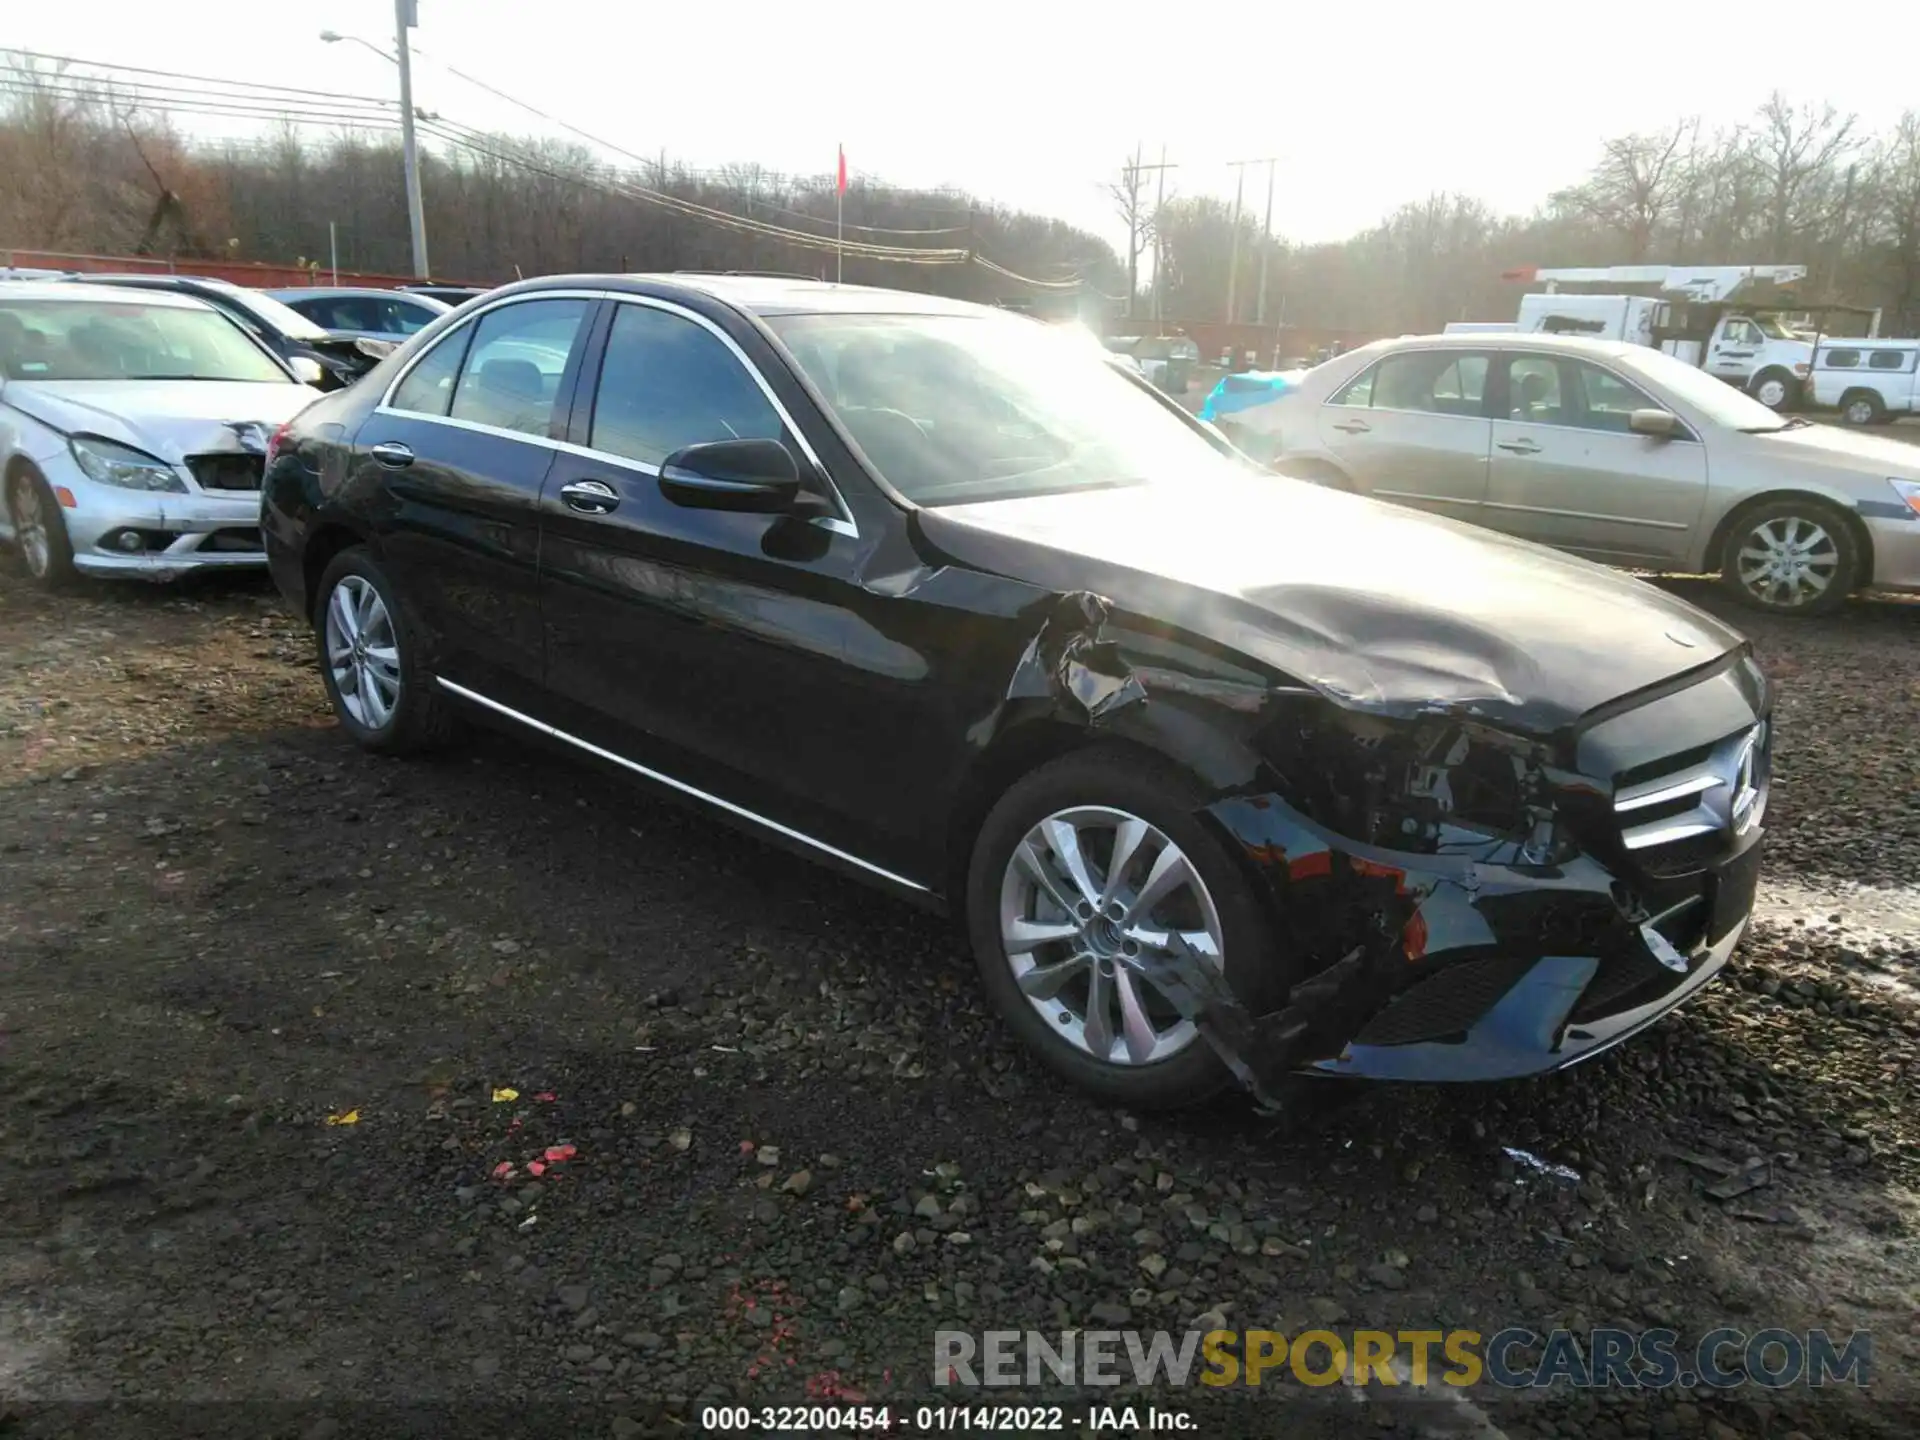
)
(1233, 264)
(406, 15)
(1159, 236)
(1233, 254)
(1266, 248)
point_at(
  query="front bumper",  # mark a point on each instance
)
(1896, 551)
(1447, 969)
(179, 533)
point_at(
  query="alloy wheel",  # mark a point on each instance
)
(1859, 412)
(1788, 561)
(30, 527)
(363, 652)
(1085, 896)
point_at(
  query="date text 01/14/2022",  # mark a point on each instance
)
(936, 1419)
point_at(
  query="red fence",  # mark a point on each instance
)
(240, 272)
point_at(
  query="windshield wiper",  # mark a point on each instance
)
(1796, 422)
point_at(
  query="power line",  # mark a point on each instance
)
(298, 106)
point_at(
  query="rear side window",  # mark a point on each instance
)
(513, 369)
(668, 382)
(428, 388)
(1437, 382)
(1889, 359)
(1357, 392)
(1843, 359)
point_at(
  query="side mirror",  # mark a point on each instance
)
(307, 370)
(1654, 424)
(757, 477)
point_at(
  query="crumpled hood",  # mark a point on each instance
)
(168, 418)
(1377, 606)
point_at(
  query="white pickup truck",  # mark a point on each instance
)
(1870, 382)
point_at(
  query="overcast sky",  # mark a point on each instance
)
(1037, 104)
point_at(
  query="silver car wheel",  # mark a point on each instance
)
(1771, 392)
(1788, 561)
(1860, 412)
(30, 527)
(363, 652)
(1085, 896)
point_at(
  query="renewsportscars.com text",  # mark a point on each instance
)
(1513, 1358)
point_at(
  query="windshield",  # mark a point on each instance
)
(958, 408)
(1715, 399)
(113, 340)
(1773, 327)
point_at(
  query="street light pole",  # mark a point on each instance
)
(404, 16)
(1266, 245)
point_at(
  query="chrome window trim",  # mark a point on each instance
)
(680, 785)
(841, 524)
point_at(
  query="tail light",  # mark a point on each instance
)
(278, 437)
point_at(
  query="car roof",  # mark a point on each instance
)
(763, 295)
(1505, 340)
(316, 292)
(66, 290)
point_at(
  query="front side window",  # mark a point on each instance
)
(513, 370)
(666, 383)
(1439, 382)
(1740, 332)
(113, 340)
(1533, 390)
(1607, 401)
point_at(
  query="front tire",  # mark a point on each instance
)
(371, 661)
(1791, 557)
(39, 532)
(1079, 866)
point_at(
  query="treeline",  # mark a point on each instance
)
(1796, 184)
(87, 168)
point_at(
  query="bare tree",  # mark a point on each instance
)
(1129, 195)
(1636, 186)
(1798, 151)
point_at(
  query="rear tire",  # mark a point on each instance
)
(1791, 557)
(372, 661)
(1111, 788)
(1776, 389)
(39, 531)
(1862, 407)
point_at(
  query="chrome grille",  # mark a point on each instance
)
(1722, 791)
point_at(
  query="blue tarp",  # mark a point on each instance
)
(1247, 391)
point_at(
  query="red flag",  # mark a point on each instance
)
(842, 188)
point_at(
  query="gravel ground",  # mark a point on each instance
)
(794, 1143)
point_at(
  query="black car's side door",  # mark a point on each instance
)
(457, 452)
(709, 645)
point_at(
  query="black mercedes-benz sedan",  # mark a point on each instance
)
(1226, 776)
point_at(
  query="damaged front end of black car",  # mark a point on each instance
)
(1457, 894)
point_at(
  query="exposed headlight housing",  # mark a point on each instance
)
(1908, 491)
(107, 463)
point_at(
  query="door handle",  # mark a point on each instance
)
(590, 497)
(1520, 447)
(392, 454)
(1353, 427)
